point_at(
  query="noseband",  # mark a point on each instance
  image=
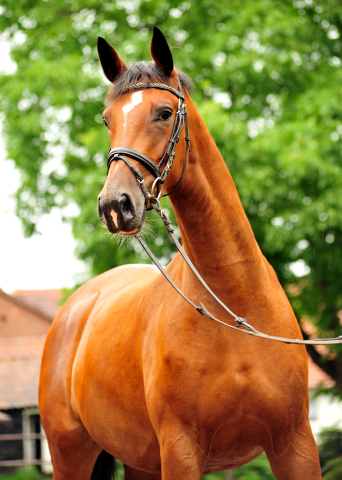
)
(121, 153)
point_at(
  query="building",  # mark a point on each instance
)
(25, 318)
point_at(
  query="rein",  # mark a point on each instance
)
(121, 153)
(241, 322)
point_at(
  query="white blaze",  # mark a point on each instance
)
(135, 99)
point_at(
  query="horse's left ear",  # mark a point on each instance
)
(112, 64)
(161, 53)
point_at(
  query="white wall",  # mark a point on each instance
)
(325, 411)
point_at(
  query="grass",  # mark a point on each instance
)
(29, 473)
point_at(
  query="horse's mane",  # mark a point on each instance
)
(143, 71)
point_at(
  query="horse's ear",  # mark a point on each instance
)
(161, 53)
(112, 64)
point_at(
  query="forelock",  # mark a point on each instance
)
(143, 71)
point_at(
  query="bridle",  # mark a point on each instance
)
(121, 153)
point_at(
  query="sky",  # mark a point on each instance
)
(43, 261)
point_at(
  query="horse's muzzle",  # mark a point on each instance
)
(121, 214)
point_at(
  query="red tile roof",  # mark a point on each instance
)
(46, 301)
(20, 359)
(317, 377)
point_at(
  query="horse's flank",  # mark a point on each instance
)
(135, 371)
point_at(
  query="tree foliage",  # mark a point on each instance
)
(330, 452)
(330, 444)
(268, 84)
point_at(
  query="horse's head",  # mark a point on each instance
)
(141, 120)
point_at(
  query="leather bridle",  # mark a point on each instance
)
(121, 153)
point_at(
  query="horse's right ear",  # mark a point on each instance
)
(112, 64)
(161, 53)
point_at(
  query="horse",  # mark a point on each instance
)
(131, 371)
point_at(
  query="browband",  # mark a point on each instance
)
(161, 86)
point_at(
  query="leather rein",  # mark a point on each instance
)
(121, 153)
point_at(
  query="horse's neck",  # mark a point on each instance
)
(215, 230)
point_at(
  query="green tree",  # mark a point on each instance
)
(330, 452)
(268, 84)
(334, 469)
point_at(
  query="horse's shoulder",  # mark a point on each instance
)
(98, 292)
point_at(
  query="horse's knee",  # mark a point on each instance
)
(181, 457)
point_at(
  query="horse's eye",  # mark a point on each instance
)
(104, 121)
(165, 115)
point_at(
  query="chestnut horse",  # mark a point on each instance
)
(132, 371)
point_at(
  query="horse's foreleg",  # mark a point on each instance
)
(299, 460)
(74, 461)
(181, 456)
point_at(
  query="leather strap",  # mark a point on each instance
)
(161, 86)
(115, 153)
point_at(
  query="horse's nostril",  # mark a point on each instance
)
(99, 208)
(127, 209)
